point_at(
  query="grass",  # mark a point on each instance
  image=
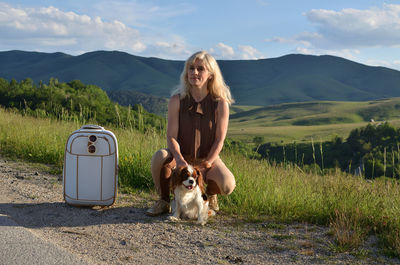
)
(351, 206)
(43, 141)
(348, 229)
(291, 133)
(241, 108)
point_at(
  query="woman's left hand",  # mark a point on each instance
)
(206, 164)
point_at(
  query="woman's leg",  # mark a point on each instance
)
(165, 178)
(157, 162)
(162, 163)
(220, 179)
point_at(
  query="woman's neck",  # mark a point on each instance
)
(198, 94)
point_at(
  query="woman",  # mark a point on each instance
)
(198, 116)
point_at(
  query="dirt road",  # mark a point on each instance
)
(123, 234)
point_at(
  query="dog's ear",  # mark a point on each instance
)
(200, 179)
(176, 177)
(197, 170)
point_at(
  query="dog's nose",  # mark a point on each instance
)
(191, 181)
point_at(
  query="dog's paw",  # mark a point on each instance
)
(211, 213)
(173, 218)
(201, 222)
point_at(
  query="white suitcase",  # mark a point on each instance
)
(90, 174)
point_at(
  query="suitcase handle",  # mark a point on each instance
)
(92, 127)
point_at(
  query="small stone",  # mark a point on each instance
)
(19, 177)
(234, 259)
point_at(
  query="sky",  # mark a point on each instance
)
(365, 31)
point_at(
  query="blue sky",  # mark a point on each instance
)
(365, 31)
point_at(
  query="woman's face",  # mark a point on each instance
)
(198, 74)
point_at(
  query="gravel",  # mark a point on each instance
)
(123, 234)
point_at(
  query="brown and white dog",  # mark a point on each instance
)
(188, 187)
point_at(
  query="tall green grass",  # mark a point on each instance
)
(290, 194)
(43, 140)
(37, 140)
(351, 206)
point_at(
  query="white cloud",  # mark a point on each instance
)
(49, 29)
(226, 52)
(138, 31)
(175, 48)
(307, 51)
(223, 51)
(38, 28)
(390, 64)
(379, 63)
(350, 54)
(347, 32)
(355, 28)
(250, 53)
(344, 53)
(349, 29)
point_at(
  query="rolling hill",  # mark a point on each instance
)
(321, 120)
(290, 78)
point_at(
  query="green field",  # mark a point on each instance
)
(300, 122)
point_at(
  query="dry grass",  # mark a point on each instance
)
(348, 229)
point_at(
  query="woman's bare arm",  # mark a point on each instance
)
(222, 128)
(172, 130)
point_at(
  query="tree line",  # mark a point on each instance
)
(153, 104)
(74, 101)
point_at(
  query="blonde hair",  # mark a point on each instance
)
(216, 85)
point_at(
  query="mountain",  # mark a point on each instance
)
(290, 78)
(108, 70)
(297, 78)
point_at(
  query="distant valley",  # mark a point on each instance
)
(320, 120)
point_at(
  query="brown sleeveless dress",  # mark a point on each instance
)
(196, 135)
(197, 127)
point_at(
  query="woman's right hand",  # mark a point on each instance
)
(180, 163)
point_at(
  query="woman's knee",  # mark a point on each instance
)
(159, 158)
(157, 161)
(223, 177)
(229, 186)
